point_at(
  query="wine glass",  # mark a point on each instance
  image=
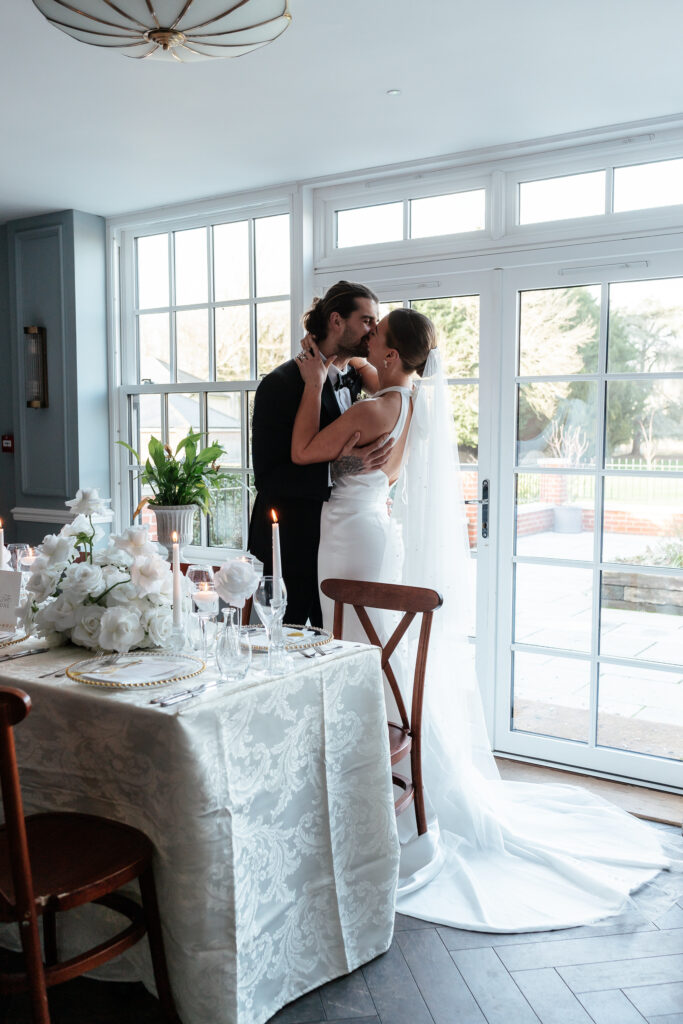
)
(270, 601)
(204, 600)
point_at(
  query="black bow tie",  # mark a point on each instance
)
(344, 380)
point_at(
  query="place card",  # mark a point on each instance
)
(10, 588)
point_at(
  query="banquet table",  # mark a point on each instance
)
(270, 806)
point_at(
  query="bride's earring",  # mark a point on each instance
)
(385, 364)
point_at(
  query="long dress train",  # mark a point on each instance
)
(498, 856)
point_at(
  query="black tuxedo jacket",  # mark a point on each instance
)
(295, 492)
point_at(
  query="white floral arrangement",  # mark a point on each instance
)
(116, 599)
(235, 581)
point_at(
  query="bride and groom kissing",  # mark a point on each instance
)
(324, 462)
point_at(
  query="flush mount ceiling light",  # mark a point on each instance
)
(181, 30)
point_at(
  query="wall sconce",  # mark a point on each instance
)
(35, 367)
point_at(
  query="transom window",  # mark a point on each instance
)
(452, 214)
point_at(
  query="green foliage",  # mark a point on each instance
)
(187, 481)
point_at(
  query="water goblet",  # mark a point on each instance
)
(270, 601)
(204, 600)
(233, 649)
(17, 553)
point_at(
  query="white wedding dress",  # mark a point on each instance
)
(498, 856)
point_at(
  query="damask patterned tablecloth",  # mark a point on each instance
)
(271, 808)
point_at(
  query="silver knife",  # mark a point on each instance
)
(178, 698)
(22, 654)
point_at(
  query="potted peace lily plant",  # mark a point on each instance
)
(179, 485)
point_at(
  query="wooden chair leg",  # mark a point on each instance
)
(30, 943)
(50, 937)
(419, 798)
(156, 945)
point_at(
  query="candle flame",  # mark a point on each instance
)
(0, 524)
(174, 537)
(273, 516)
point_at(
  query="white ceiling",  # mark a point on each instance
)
(95, 131)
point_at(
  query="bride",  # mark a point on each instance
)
(498, 856)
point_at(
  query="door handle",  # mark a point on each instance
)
(484, 502)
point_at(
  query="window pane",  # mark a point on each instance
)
(641, 710)
(191, 273)
(556, 424)
(225, 515)
(551, 696)
(645, 326)
(457, 325)
(555, 515)
(559, 331)
(273, 335)
(643, 521)
(152, 262)
(149, 422)
(155, 348)
(183, 416)
(645, 421)
(231, 261)
(448, 215)
(224, 425)
(370, 225)
(648, 185)
(642, 617)
(232, 343)
(553, 606)
(192, 345)
(575, 195)
(464, 401)
(272, 255)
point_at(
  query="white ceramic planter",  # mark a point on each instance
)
(174, 518)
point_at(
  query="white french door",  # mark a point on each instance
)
(589, 652)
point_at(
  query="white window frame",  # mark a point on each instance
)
(122, 305)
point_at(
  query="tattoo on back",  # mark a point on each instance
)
(346, 465)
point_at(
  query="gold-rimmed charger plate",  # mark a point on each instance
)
(137, 669)
(12, 638)
(296, 638)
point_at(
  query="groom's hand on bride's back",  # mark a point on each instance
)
(354, 458)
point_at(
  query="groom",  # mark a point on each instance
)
(339, 322)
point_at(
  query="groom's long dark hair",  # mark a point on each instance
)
(340, 298)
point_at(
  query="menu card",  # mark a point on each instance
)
(10, 588)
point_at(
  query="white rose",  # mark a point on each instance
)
(121, 594)
(57, 550)
(81, 524)
(112, 556)
(87, 629)
(235, 581)
(148, 574)
(87, 501)
(83, 580)
(59, 615)
(134, 541)
(158, 621)
(121, 629)
(43, 584)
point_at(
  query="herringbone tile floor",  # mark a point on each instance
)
(626, 971)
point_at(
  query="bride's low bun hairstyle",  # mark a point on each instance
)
(413, 336)
(340, 298)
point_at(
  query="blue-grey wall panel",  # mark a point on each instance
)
(39, 296)
(6, 397)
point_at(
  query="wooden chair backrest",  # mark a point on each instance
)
(361, 594)
(14, 707)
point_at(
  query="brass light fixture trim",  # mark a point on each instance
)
(180, 30)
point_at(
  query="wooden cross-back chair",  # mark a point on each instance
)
(56, 861)
(404, 738)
